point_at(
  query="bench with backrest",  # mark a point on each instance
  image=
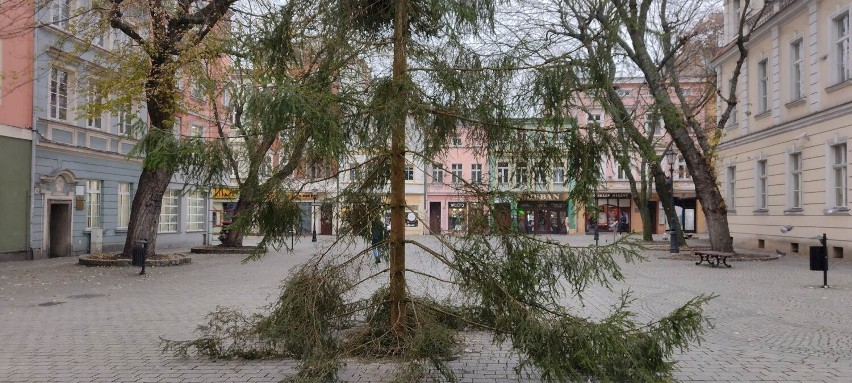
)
(717, 257)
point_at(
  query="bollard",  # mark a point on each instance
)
(139, 253)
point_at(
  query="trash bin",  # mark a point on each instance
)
(818, 258)
(138, 255)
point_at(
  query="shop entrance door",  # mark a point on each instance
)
(435, 217)
(326, 219)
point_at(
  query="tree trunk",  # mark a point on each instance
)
(667, 200)
(397, 295)
(715, 212)
(645, 216)
(153, 182)
(235, 235)
(145, 211)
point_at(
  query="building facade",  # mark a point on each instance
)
(784, 156)
(16, 120)
(616, 206)
(83, 177)
(455, 177)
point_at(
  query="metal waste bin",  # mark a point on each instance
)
(138, 255)
(818, 258)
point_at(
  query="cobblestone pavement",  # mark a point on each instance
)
(60, 322)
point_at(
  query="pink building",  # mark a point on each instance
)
(451, 180)
(16, 119)
(614, 199)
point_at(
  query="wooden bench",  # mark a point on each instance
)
(717, 256)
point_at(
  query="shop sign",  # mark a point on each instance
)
(456, 205)
(614, 195)
(225, 193)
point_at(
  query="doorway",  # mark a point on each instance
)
(326, 219)
(59, 230)
(435, 217)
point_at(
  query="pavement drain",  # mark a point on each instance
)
(85, 296)
(45, 304)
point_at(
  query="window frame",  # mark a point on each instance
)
(840, 47)
(57, 91)
(797, 69)
(839, 176)
(94, 202)
(476, 173)
(408, 173)
(503, 176)
(795, 181)
(457, 173)
(761, 178)
(165, 225)
(63, 7)
(559, 174)
(195, 211)
(731, 187)
(123, 205)
(763, 86)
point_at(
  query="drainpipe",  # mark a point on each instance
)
(33, 141)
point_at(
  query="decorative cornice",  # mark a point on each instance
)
(811, 119)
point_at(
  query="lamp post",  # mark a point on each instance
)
(670, 157)
(314, 217)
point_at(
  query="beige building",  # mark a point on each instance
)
(784, 156)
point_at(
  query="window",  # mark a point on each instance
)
(762, 86)
(169, 212)
(437, 175)
(521, 174)
(353, 172)
(123, 205)
(623, 92)
(619, 171)
(794, 188)
(476, 173)
(558, 174)
(196, 130)
(125, 120)
(655, 124)
(732, 120)
(538, 174)
(682, 170)
(841, 47)
(93, 204)
(457, 173)
(457, 141)
(178, 124)
(195, 211)
(94, 121)
(797, 70)
(760, 187)
(731, 181)
(60, 12)
(839, 175)
(409, 173)
(502, 173)
(595, 118)
(197, 90)
(58, 94)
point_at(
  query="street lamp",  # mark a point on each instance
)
(314, 216)
(670, 157)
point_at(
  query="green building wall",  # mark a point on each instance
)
(15, 197)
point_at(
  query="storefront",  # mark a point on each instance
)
(542, 217)
(613, 213)
(457, 216)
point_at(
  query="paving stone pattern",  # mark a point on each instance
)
(61, 322)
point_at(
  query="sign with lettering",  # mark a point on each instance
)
(614, 195)
(225, 193)
(456, 205)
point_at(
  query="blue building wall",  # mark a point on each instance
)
(68, 153)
